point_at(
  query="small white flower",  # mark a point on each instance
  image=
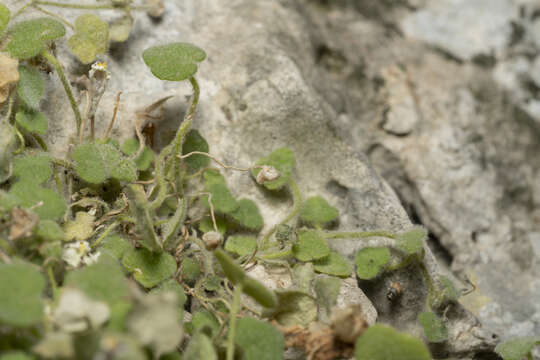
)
(78, 252)
(91, 258)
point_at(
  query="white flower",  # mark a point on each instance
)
(78, 252)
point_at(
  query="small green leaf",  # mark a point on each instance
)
(120, 28)
(95, 163)
(222, 199)
(49, 230)
(32, 168)
(310, 246)
(28, 38)
(380, 342)
(247, 215)
(15, 355)
(20, 300)
(316, 211)
(190, 270)
(232, 270)
(206, 225)
(283, 160)
(259, 292)
(81, 228)
(327, 291)
(448, 288)
(4, 17)
(241, 245)
(200, 347)
(212, 283)
(517, 348)
(195, 142)
(173, 62)
(204, 319)
(412, 241)
(90, 39)
(333, 264)
(259, 340)
(144, 160)
(434, 329)
(32, 121)
(149, 268)
(30, 87)
(294, 308)
(370, 261)
(116, 245)
(50, 205)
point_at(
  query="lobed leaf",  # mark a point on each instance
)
(30, 86)
(259, 340)
(241, 245)
(517, 348)
(81, 228)
(144, 160)
(283, 161)
(204, 320)
(48, 204)
(195, 142)
(380, 342)
(34, 169)
(90, 39)
(434, 329)
(49, 230)
(412, 241)
(32, 121)
(149, 269)
(28, 38)
(316, 211)
(370, 261)
(333, 264)
(206, 225)
(310, 246)
(20, 300)
(173, 62)
(222, 199)
(247, 215)
(115, 245)
(190, 270)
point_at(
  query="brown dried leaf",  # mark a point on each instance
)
(8, 75)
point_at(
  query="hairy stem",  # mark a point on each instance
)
(358, 234)
(56, 64)
(232, 324)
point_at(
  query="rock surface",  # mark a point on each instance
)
(388, 128)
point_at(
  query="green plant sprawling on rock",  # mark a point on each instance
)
(101, 256)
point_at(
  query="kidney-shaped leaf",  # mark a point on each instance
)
(28, 38)
(333, 264)
(434, 328)
(149, 268)
(316, 211)
(32, 121)
(283, 161)
(90, 39)
(32, 168)
(310, 246)
(259, 340)
(370, 261)
(381, 342)
(173, 62)
(48, 204)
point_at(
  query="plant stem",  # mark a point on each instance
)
(105, 233)
(74, 6)
(52, 280)
(359, 234)
(64, 163)
(277, 255)
(40, 141)
(56, 64)
(232, 323)
(18, 12)
(10, 107)
(61, 19)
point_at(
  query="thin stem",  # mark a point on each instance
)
(75, 6)
(61, 19)
(213, 158)
(10, 107)
(58, 181)
(21, 139)
(358, 234)
(104, 234)
(52, 280)
(115, 111)
(56, 64)
(40, 141)
(18, 12)
(232, 324)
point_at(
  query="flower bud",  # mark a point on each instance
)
(267, 173)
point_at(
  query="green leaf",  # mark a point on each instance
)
(90, 39)
(327, 291)
(448, 289)
(32, 121)
(259, 292)
(232, 270)
(303, 275)
(222, 199)
(20, 299)
(206, 225)
(173, 62)
(190, 270)
(370, 261)
(30, 195)
(149, 268)
(310, 246)
(195, 142)
(95, 163)
(32, 168)
(333, 264)
(144, 160)
(380, 342)
(316, 211)
(412, 241)
(212, 283)
(49, 230)
(120, 28)
(116, 245)
(15, 355)
(517, 348)
(4, 17)
(294, 308)
(283, 160)
(204, 319)
(200, 347)
(259, 340)
(28, 38)
(30, 87)
(241, 245)
(247, 215)
(434, 329)
(81, 228)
